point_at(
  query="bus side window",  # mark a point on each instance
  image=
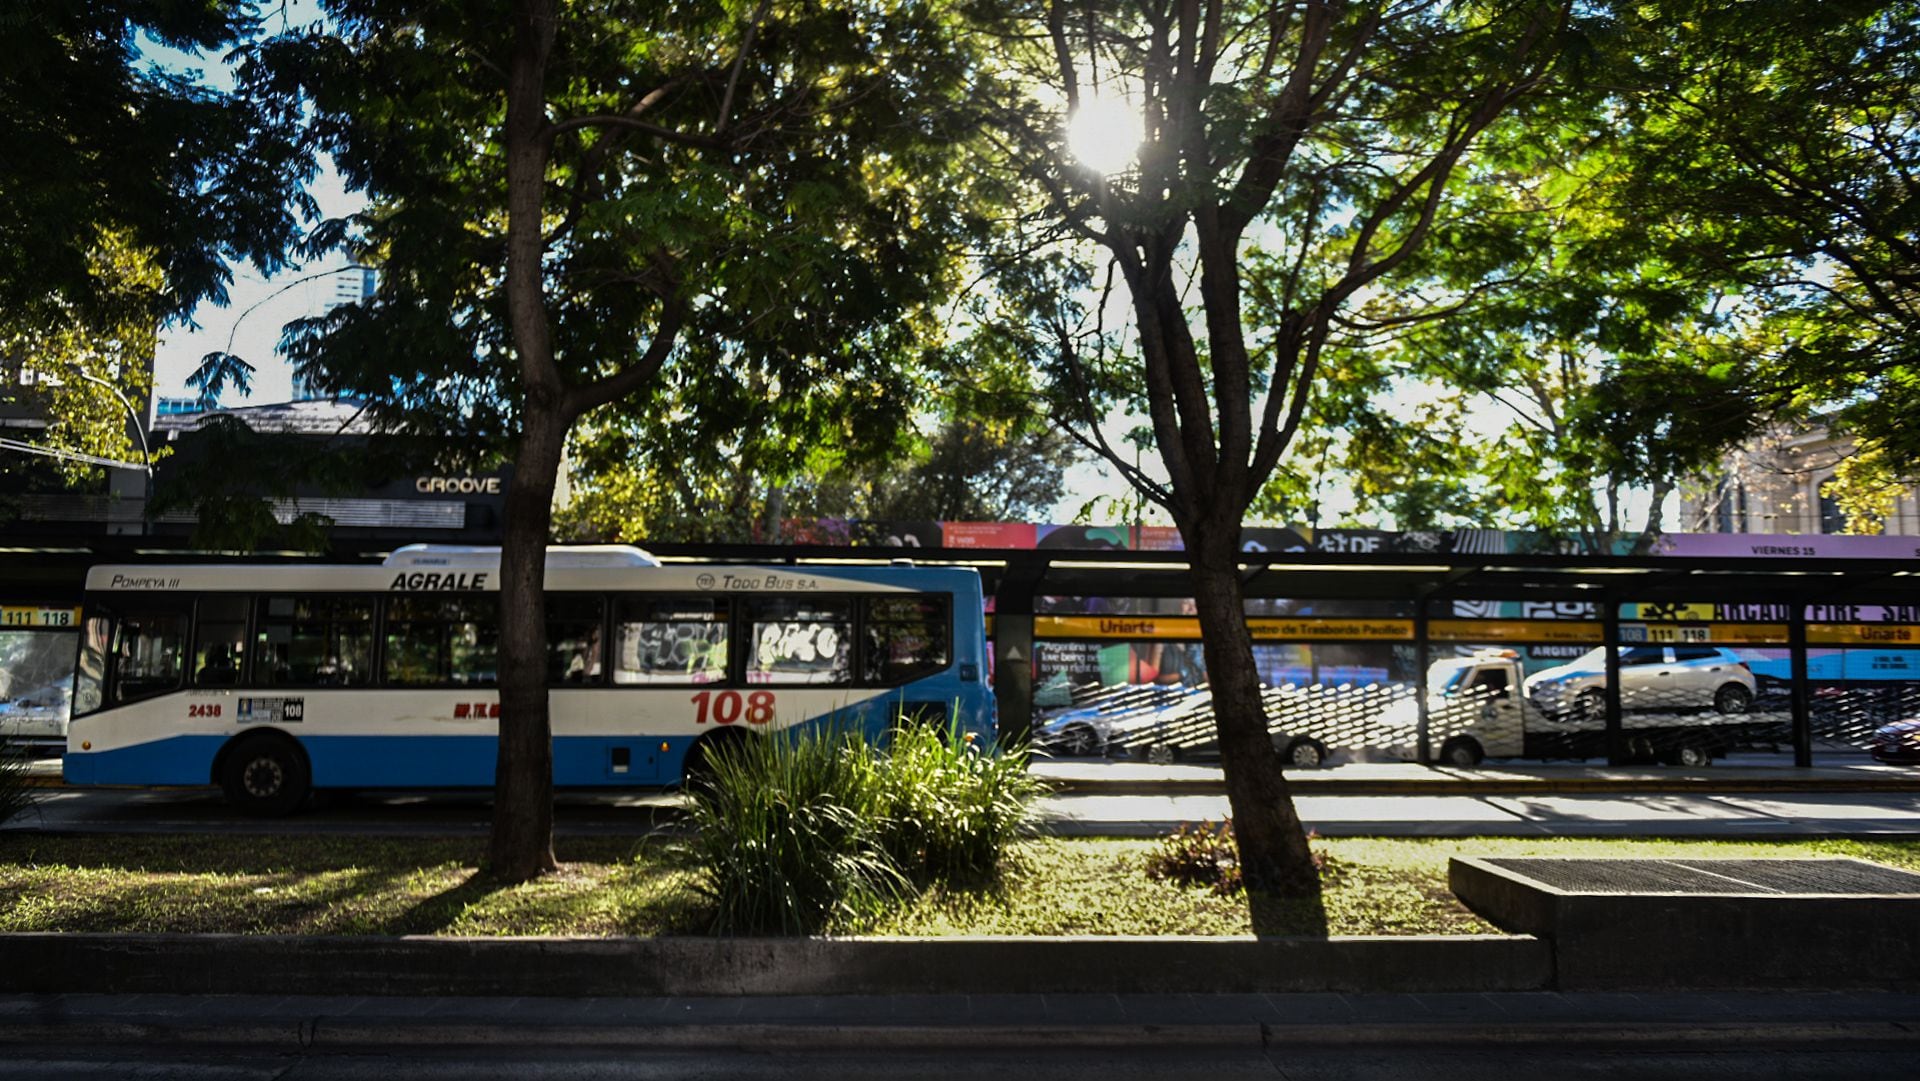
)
(435, 640)
(574, 652)
(670, 640)
(797, 641)
(219, 641)
(313, 642)
(906, 636)
(149, 654)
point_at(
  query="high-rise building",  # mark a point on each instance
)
(350, 286)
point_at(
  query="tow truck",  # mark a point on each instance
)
(1477, 708)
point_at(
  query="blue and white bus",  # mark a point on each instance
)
(273, 681)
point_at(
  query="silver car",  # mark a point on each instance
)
(1663, 677)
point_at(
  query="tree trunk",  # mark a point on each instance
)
(1656, 519)
(1274, 857)
(522, 842)
(521, 847)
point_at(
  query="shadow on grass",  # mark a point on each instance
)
(1287, 916)
(437, 912)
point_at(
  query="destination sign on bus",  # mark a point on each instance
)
(23, 615)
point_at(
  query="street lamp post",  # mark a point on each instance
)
(140, 432)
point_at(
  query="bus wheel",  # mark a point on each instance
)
(265, 775)
(698, 769)
(1305, 753)
(1461, 751)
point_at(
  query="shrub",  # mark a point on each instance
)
(950, 808)
(1198, 856)
(786, 834)
(797, 831)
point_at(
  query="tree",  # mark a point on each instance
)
(637, 481)
(570, 205)
(1774, 143)
(1293, 157)
(126, 193)
(66, 363)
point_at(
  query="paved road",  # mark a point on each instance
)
(1395, 1064)
(1718, 814)
(1321, 1037)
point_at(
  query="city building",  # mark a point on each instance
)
(1772, 485)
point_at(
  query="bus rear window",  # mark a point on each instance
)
(906, 637)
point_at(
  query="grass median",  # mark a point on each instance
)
(614, 886)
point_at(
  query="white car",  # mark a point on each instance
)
(37, 718)
(1662, 677)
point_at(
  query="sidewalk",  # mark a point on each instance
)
(792, 1023)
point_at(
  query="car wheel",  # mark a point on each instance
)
(1692, 756)
(1079, 741)
(1732, 698)
(1591, 704)
(265, 775)
(1163, 754)
(1461, 751)
(1305, 753)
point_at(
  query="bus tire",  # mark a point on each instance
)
(1461, 751)
(697, 770)
(265, 774)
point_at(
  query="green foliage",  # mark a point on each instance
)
(950, 809)
(1198, 856)
(786, 833)
(792, 251)
(1867, 489)
(64, 360)
(99, 145)
(800, 831)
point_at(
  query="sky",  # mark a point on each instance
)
(249, 324)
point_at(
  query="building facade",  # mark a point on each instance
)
(1772, 485)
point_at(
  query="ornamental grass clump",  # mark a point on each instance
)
(785, 832)
(951, 808)
(796, 832)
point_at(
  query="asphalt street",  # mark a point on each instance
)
(1686, 1063)
(1305, 1037)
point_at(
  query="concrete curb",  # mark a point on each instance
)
(572, 967)
(326, 1032)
